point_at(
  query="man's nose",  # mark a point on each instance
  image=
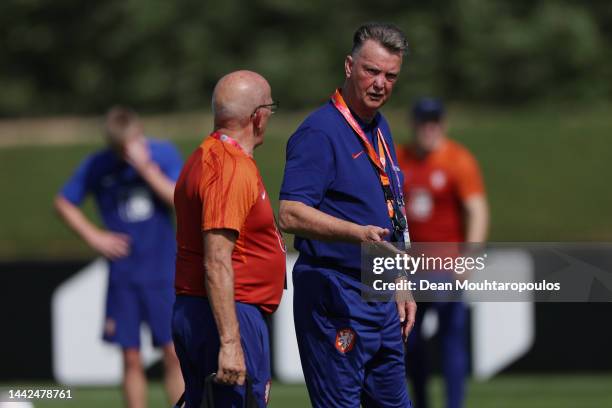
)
(379, 82)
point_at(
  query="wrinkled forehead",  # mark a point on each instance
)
(373, 53)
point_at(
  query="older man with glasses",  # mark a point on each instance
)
(230, 266)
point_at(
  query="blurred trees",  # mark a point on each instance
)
(70, 56)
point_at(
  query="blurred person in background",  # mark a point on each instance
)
(230, 268)
(132, 181)
(445, 202)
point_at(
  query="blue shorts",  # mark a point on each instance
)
(128, 306)
(196, 341)
(352, 351)
(452, 336)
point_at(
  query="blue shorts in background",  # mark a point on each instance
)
(128, 306)
(196, 341)
(452, 336)
(352, 351)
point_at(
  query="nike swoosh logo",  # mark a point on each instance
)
(263, 195)
(356, 155)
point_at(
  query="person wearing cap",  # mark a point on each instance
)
(445, 202)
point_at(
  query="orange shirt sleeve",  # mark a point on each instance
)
(228, 190)
(467, 174)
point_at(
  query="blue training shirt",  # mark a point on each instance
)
(128, 205)
(327, 168)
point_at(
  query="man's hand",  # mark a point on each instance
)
(372, 233)
(406, 308)
(137, 154)
(111, 245)
(232, 369)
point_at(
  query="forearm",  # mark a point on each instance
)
(219, 281)
(74, 218)
(308, 222)
(220, 291)
(477, 219)
(161, 185)
(476, 230)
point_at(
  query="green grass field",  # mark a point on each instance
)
(546, 173)
(585, 391)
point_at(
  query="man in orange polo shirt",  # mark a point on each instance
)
(445, 202)
(230, 265)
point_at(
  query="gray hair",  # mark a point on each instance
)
(387, 35)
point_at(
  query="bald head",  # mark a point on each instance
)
(236, 96)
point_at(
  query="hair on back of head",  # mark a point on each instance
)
(386, 34)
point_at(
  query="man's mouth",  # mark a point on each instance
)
(375, 96)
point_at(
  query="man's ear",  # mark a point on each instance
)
(257, 119)
(348, 66)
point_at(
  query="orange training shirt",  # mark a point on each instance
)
(220, 188)
(435, 187)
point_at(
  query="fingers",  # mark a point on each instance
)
(411, 308)
(119, 245)
(407, 316)
(401, 311)
(136, 152)
(113, 245)
(381, 233)
(231, 376)
(405, 332)
(115, 252)
(375, 234)
(121, 250)
(411, 314)
(123, 239)
(224, 377)
(232, 369)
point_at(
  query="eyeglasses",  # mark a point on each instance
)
(272, 106)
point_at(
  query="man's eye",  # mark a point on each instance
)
(391, 77)
(372, 71)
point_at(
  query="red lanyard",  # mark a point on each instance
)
(379, 160)
(227, 139)
(395, 206)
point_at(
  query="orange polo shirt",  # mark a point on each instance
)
(435, 188)
(220, 188)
